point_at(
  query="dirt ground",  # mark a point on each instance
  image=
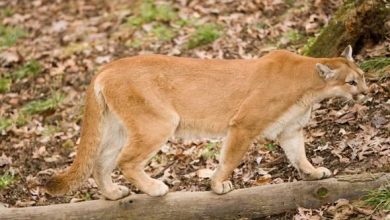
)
(50, 51)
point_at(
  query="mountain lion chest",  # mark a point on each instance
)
(296, 117)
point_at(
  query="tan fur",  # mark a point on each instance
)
(135, 104)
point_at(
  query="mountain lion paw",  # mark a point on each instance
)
(222, 187)
(155, 188)
(319, 173)
(117, 193)
(323, 172)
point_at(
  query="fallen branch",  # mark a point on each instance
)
(250, 202)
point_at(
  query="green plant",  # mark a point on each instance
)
(380, 198)
(270, 146)
(21, 120)
(210, 151)
(294, 35)
(5, 123)
(39, 106)
(31, 68)
(164, 12)
(50, 130)
(87, 196)
(183, 22)
(308, 45)
(6, 180)
(135, 43)
(204, 34)
(149, 11)
(162, 32)
(9, 35)
(376, 64)
(5, 85)
(6, 12)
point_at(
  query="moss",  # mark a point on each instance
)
(322, 192)
(352, 21)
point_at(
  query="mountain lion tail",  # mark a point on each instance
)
(88, 148)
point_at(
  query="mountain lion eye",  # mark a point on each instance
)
(352, 83)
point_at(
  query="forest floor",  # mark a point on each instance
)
(50, 51)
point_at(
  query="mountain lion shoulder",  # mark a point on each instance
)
(134, 105)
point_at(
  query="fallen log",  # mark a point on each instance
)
(251, 202)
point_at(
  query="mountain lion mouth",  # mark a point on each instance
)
(360, 98)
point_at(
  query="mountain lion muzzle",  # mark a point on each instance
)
(134, 105)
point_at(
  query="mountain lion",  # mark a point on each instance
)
(134, 105)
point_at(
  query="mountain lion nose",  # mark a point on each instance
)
(365, 91)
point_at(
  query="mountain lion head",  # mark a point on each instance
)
(343, 77)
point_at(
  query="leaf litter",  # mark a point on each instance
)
(63, 44)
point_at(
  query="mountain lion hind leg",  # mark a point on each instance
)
(113, 139)
(292, 142)
(144, 142)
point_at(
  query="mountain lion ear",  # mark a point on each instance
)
(324, 71)
(347, 53)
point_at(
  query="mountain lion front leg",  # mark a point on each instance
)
(237, 143)
(292, 142)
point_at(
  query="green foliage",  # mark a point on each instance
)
(6, 180)
(135, 43)
(294, 36)
(380, 198)
(5, 123)
(162, 32)
(270, 146)
(5, 85)
(183, 22)
(50, 130)
(203, 35)
(6, 12)
(210, 151)
(40, 106)
(31, 68)
(21, 120)
(9, 35)
(87, 196)
(308, 45)
(149, 11)
(377, 64)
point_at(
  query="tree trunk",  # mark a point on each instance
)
(354, 22)
(252, 202)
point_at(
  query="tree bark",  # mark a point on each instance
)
(252, 202)
(355, 21)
